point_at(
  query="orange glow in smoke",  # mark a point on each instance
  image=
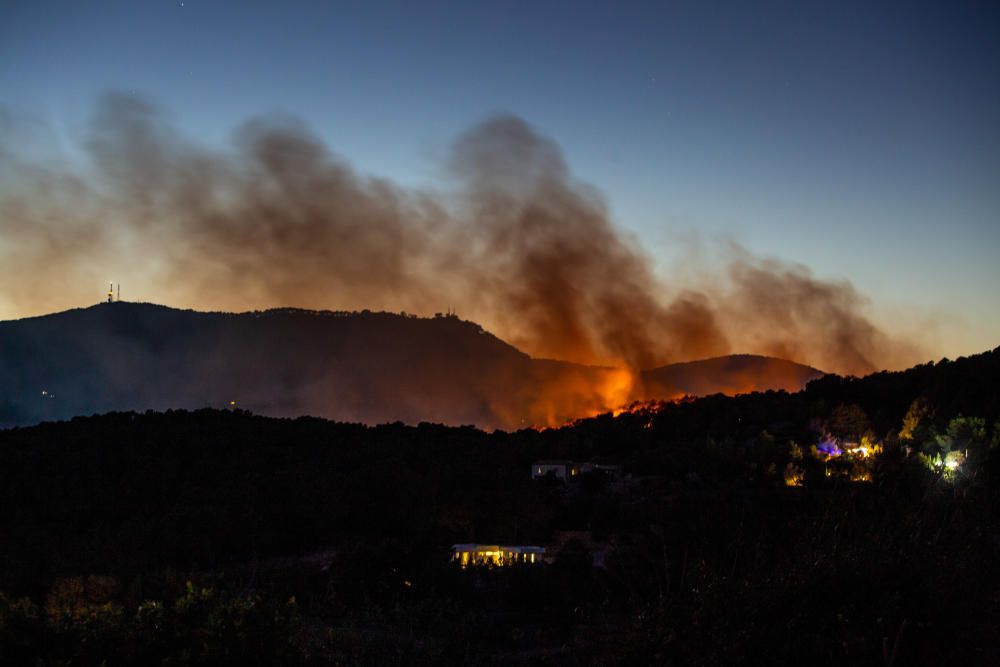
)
(616, 390)
(568, 394)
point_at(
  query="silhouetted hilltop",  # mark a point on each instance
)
(733, 374)
(360, 366)
(372, 367)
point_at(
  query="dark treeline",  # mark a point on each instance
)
(167, 536)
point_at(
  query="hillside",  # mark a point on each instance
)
(732, 374)
(164, 534)
(371, 367)
(368, 367)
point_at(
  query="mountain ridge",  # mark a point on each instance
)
(367, 366)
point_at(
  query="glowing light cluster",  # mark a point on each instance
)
(948, 466)
(827, 449)
(847, 460)
(794, 475)
(492, 555)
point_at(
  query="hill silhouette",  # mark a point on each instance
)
(732, 374)
(371, 367)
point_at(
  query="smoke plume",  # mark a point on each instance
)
(513, 242)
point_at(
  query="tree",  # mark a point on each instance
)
(849, 421)
(963, 433)
(916, 421)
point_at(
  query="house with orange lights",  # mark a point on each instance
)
(493, 555)
(566, 470)
(560, 469)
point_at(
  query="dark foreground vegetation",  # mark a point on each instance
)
(736, 537)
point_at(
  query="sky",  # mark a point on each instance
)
(861, 140)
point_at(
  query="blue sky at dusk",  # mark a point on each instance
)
(862, 141)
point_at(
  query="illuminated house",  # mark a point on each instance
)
(561, 469)
(568, 469)
(495, 555)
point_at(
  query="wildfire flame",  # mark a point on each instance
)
(615, 390)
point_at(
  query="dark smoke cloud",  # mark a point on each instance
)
(787, 313)
(516, 244)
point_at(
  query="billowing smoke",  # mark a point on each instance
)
(513, 242)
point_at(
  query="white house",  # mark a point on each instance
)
(561, 469)
(565, 470)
